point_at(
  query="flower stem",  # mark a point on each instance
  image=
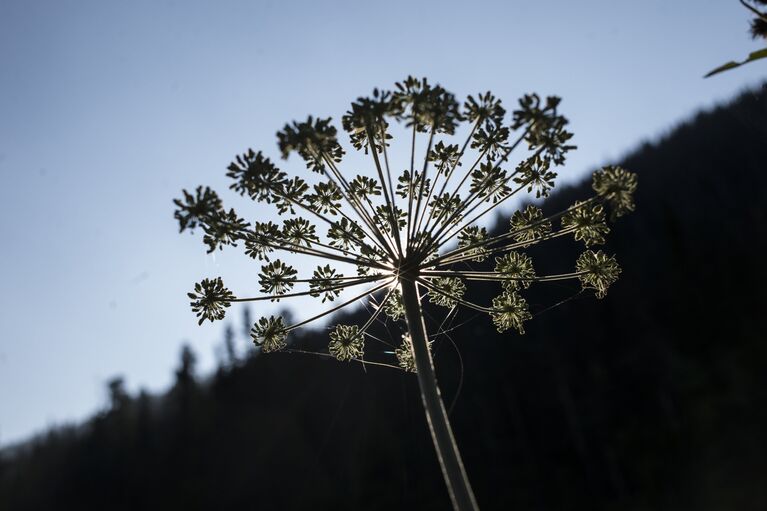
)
(457, 482)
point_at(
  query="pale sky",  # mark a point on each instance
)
(108, 109)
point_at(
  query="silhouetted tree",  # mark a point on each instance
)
(231, 352)
(118, 396)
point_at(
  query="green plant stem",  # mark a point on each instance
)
(450, 461)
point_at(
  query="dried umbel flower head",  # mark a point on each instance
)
(346, 342)
(391, 227)
(210, 299)
(269, 333)
(391, 239)
(405, 354)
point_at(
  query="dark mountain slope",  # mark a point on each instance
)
(653, 398)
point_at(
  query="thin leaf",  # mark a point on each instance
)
(756, 55)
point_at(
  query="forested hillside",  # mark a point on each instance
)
(652, 398)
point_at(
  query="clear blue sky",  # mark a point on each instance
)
(108, 109)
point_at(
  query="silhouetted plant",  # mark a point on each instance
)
(398, 237)
(758, 31)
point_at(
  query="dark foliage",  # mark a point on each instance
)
(759, 23)
(653, 398)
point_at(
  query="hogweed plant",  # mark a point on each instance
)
(409, 235)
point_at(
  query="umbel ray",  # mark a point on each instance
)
(409, 235)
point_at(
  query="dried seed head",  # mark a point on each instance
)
(587, 222)
(599, 271)
(616, 186)
(405, 355)
(270, 334)
(346, 342)
(210, 299)
(510, 311)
